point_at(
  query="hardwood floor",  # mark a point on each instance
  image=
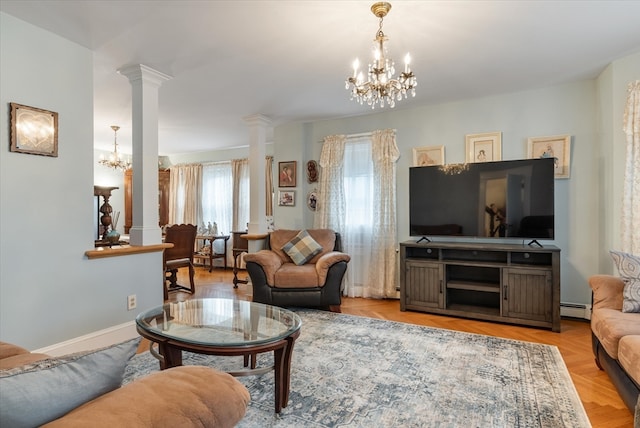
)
(599, 397)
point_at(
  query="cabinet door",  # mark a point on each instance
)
(424, 284)
(527, 294)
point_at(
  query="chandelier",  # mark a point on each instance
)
(115, 161)
(454, 168)
(382, 86)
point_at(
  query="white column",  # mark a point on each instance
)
(145, 82)
(258, 126)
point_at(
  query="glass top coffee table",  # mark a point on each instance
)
(225, 327)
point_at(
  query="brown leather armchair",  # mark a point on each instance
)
(277, 280)
(183, 238)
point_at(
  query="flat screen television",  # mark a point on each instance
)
(506, 199)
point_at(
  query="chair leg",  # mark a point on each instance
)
(191, 274)
(335, 308)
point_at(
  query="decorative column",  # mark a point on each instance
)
(258, 126)
(145, 82)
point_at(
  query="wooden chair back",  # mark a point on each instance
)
(183, 238)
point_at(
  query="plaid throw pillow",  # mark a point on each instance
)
(628, 267)
(302, 248)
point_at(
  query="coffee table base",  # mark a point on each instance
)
(170, 355)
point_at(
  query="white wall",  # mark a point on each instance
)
(612, 96)
(49, 291)
(567, 109)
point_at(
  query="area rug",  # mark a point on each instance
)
(351, 371)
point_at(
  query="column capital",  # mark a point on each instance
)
(144, 73)
(258, 120)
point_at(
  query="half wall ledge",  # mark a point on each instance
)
(124, 250)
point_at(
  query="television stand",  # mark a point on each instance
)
(534, 242)
(424, 238)
(509, 283)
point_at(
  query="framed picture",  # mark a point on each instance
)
(34, 131)
(558, 147)
(286, 198)
(426, 156)
(287, 174)
(312, 171)
(485, 147)
(312, 200)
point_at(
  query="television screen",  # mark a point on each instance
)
(507, 199)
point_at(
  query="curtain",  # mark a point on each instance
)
(330, 208)
(631, 191)
(186, 194)
(358, 199)
(268, 169)
(383, 250)
(217, 198)
(240, 177)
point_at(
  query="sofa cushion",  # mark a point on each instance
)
(185, 396)
(291, 276)
(302, 248)
(37, 393)
(610, 325)
(325, 237)
(629, 356)
(628, 267)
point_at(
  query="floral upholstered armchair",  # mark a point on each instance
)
(299, 268)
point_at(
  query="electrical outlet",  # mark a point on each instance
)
(131, 302)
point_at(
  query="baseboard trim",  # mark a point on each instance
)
(575, 310)
(97, 339)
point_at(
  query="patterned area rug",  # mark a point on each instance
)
(352, 371)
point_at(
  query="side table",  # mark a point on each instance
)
(212, 254)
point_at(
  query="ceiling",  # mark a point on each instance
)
(288, 59)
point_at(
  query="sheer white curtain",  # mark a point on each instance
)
(330, 207)
(240, 177)
(384, 235)
(358, 199)
(217, 200)
(631, 194)
(185, 195)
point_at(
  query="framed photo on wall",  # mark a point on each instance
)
(486, 147)
(287, 198)
(287, 174)
(34, 131)
(430, 155)
(556, 146)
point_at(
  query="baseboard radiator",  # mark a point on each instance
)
(575, 310)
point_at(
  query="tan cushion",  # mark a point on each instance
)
(186, 396)
(291, 276)
(607, 291)
(610, 325)
(278, 238)
(12, 356)
(21, 360)
(9, 350)
(629, 356)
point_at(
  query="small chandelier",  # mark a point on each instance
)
(382, 86)
(114, 161)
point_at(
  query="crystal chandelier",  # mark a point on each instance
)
(115, 161)
(382, 86)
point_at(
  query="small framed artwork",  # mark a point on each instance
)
(287, 174)
(312, 171)
(34, 131)
(426, 156)
(286, 198)
(312, 200)
(485, 147)
(557, 147)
